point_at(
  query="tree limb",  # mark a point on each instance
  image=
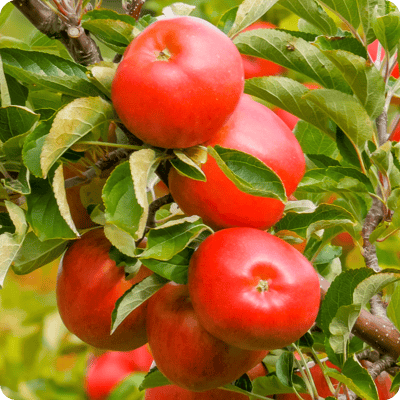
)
(78, 42)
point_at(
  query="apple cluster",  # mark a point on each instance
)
(180, 84)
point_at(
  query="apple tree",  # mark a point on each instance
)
(92, 143)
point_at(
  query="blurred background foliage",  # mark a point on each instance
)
(39, 358)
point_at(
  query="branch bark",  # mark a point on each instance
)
(78, 42)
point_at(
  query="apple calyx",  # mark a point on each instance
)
(262, 286)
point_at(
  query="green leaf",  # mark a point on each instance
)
(323, 217)
(227, 20)
(122, 207)
(134, 297)
(113, 29)
(21, 183)
(347, 113)
(128, 389)
(387, 30)
(340, 293)
(42, 208)
(287, 94)
(248, 12)
(313, 13)
(248, 173)
(373, 285)
(364, 79)
(34, 253)
(15, 121)
(119, 238)
(313, 141)
(347, 43)
(175, 269)
(102, 75)
(187, 167)
(10, 243)
(396, 383)
(284, 368)
(368, 16)
(5, 13)
(348, 152)
(270, 384)
(72, 123)
(33, 146)
(293, 53)
(40, 42)
(166, 241)
(58, 185)
(335, 179)
(341, 326)
(350, 10)
(154, 379)
(142, 164)
(356, 378)
(393, 309)
(47, 71)
(113, 33)
(4, 92)
(18, 92)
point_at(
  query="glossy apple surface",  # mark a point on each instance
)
(256, 130)
(184, 351)
(173, 392)
(88, 285)
(252, 289)
(178, 82)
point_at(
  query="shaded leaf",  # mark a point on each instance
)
(313, 13)
(347, 43)
(293, 53)
(47, 71)
(15, 121)
(34, 253)
(313, 141)
(347, 113)
(154, 379)
(364, 79)
(134, 297)
(287, 94)
(122, 207)
(43, 214)
(175, 269)
(248, 12)
(72, 123)
(248, 173)
(335, 179)
(166, 241)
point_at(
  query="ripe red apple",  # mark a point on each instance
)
(252, 289)
(256, 130)
(105, 372)
(255, 66)
(88, 285)
(174, 392)
(178, 82)
(184, 351)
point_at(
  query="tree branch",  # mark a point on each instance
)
(78, 42)
(109, 161)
